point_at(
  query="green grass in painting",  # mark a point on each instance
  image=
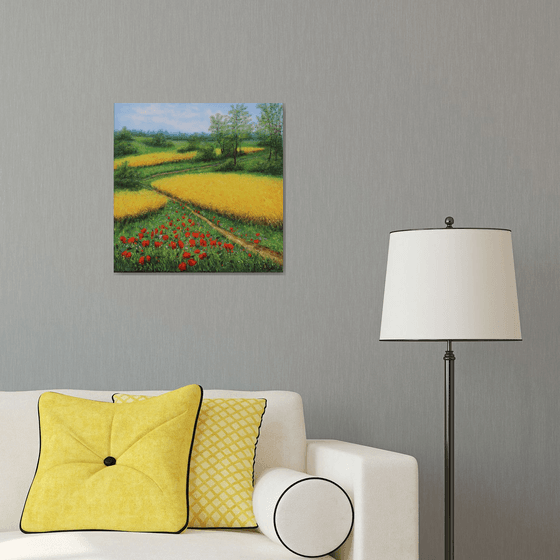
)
(173, 226)
(186, 244)
(266, 236)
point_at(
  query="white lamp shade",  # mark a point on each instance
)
(450, 284)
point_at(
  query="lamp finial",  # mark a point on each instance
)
(449, 221)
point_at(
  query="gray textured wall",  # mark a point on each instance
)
(398, 113)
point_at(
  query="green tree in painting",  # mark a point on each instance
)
(239, 127)
(124, 135)
(270, 127)
(218, 129)
(123, 143)
(127, 177)
(159, 140)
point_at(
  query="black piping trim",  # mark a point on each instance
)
(190, 456)
(36, 468)
(453, 339)
(450, 228)
(221, 528)
(280, 499)
(258, 436)
(112, 530)
(254, 460)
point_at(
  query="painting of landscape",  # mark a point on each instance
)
(198, 187)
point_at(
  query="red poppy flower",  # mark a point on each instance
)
(249, 254)
(126, 254)
(192, 242)
(165, 237)
(186, 255)
(202, 256)
(230, 229)
(191, 262)
(148, 258)
(182, 266)
(145, 243)
(152, 234)
(257, 234)
(173, 245)
(213, 243)
(197, 250)
(207, 234)
(181, 244)
(132, 240)
(140, 235)
(123, 238)
(203, 243)
(170, 223)
(182, 224)
(195, 233)
(156, 230)
(256, 241)
(158, 243)
(143, 230)
(141, 260)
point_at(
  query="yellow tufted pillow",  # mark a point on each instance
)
(107, 467)
(222, 463)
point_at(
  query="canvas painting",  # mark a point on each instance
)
(198, 187)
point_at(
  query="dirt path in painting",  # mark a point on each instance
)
(184, 170)
(263, 251)
(195, 169)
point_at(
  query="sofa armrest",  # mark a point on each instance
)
(383, 486)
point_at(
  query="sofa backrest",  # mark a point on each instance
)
(282, 440)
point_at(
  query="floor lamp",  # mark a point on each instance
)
(450, 284)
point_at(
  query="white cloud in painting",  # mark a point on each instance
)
(173, 117)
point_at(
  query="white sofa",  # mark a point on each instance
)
(382, 485)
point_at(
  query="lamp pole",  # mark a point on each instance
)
(449, 444)
(432, 271)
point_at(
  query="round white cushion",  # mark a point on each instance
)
(310, 516)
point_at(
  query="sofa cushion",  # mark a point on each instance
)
(282, 440)
(193, 544)
(309, 515)
(222, 463)
(108, 467)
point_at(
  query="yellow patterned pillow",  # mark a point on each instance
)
(222, 463)
(107, 467)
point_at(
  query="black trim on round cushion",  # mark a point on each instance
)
(280, 499)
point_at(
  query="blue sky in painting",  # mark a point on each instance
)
(173, 117)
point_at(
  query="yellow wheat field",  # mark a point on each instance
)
(137, 203)
(249, 198)
(157, 158)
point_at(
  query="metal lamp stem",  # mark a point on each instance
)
(449, 359)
